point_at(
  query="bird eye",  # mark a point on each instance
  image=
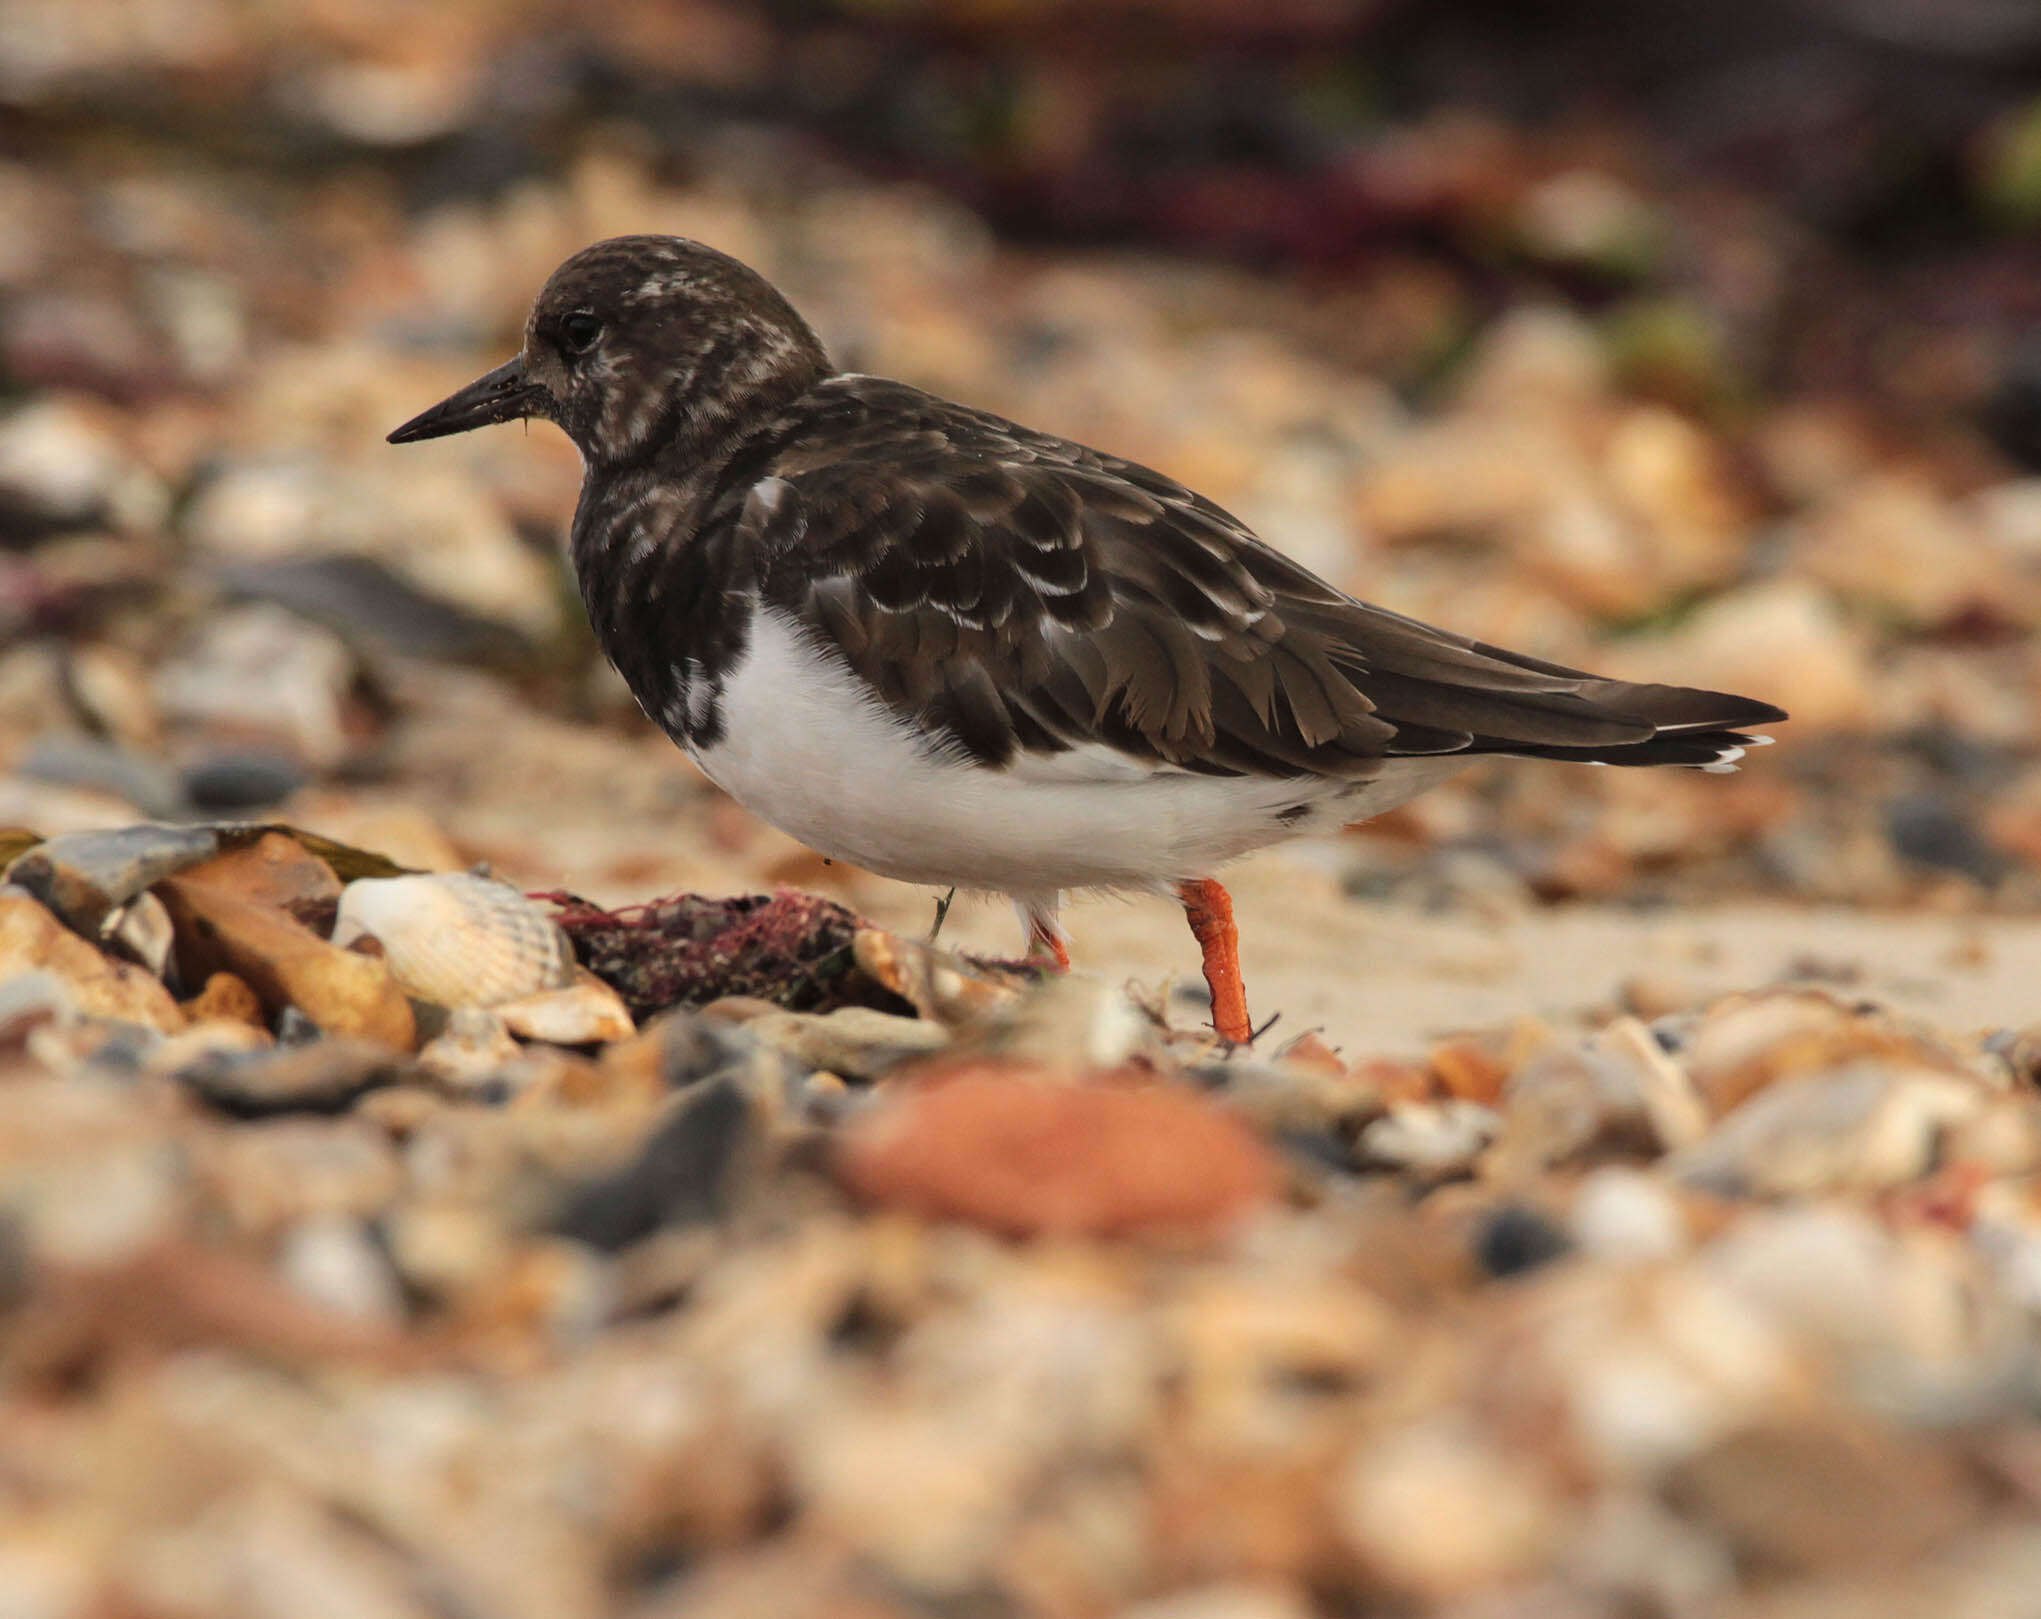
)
(579, 331)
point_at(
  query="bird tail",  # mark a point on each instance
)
(1700, 729)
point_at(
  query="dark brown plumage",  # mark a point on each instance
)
(1008, 596)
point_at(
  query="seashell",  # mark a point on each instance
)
(456, 939)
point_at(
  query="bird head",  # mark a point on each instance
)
(641, 343)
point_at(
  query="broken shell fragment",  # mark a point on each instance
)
(457, 939)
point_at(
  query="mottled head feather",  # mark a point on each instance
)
(651, 343)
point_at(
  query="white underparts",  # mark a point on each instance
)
(807, 747)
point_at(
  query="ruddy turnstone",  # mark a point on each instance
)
(957, 651)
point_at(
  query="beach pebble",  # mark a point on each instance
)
(1015, 1152)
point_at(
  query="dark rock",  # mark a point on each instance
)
(1931, 831)
(85, 876)
(293, 1028)
(685, 1174)
(320, 1076)
(2012, 413)
(231, 783)
(1514, 1239)
(366, 602)
(104, 767)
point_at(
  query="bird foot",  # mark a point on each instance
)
(1210, 911)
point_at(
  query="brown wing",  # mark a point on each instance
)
(1017, 592)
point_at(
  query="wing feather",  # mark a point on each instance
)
(1017, 593)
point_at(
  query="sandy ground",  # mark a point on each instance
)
(1379, 977)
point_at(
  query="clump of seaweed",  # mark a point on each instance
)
(790, 948)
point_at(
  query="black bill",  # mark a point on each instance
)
(502, 396)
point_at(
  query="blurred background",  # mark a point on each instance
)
(1679, 340)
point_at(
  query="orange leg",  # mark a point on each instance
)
(1210, 909)
(1045, 939)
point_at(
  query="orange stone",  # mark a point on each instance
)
(1467, 1072)
(1026, 1156)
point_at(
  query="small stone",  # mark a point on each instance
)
(1433, 1140)
(1669, 1101)
(329, 1260)
(1650, 996)
(447, 1250)
(147, 785)
(264, 1175)
(1786, 639)
(586, 1012)
(1865, 1126)
(274, 870)
(208, 1042)
(1627, 1217)
(33, 940)
(1893, 541)
(32, 998)
(1592, 219)
(1514, 1239)
(325, 1076)
(1747, 1042)
(61, 468)
(260, 671)
(286, 963)
(938, 985)
(1467, 1072)
(225, 998)
(1437, 1510)
(84, 877)
(1836, 1496)
(239, 782)
(141, 928)
(854, 1041)
(1237, 1601)
(1310, 1053)
(93, 1046)
(470, 1053)
(1003, 1148)
(435, 528)
(1069, 1021)
(686, 1173)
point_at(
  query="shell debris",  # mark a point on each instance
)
(457, 939)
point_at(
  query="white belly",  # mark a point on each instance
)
(808, 748)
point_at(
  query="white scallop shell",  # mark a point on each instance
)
(457, 939)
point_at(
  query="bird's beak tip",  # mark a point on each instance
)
(504, 395)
